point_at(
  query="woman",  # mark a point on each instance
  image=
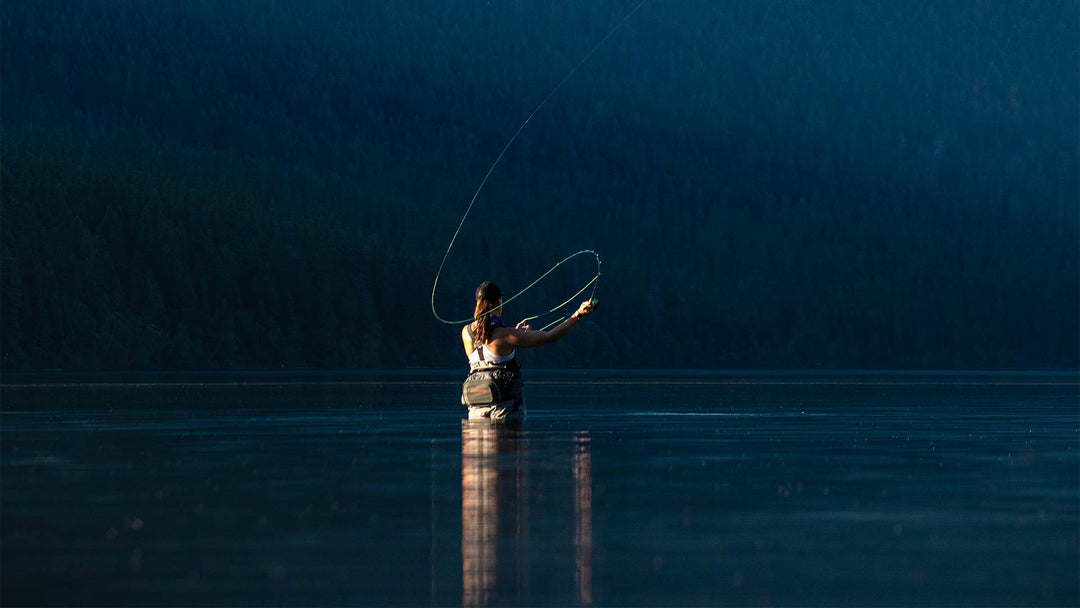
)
(493, 388)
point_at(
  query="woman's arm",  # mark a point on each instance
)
(521, 338)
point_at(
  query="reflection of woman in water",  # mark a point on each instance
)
(496, 521)
(493, 388)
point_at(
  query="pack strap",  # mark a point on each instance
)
(476, 347)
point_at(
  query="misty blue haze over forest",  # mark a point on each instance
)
(252, 185)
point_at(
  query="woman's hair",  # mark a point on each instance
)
(487, 299)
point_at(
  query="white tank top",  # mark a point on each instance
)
(489, 356)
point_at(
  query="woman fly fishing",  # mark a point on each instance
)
(493, 387)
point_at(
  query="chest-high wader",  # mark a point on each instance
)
(489, 382)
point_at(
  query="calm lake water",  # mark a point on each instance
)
(618, 489)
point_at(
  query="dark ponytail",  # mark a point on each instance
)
(487, 300)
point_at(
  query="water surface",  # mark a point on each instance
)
(618, 489)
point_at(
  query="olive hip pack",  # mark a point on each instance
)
(490, 386)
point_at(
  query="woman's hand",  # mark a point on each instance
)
(523, 325)
(586, 307)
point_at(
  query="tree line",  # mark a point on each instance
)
(770, 185)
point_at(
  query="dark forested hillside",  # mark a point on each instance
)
(260, 184)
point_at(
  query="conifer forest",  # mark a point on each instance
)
(266, 185)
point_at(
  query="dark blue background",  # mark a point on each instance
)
(208, 185)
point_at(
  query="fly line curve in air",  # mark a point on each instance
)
(593, 282)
